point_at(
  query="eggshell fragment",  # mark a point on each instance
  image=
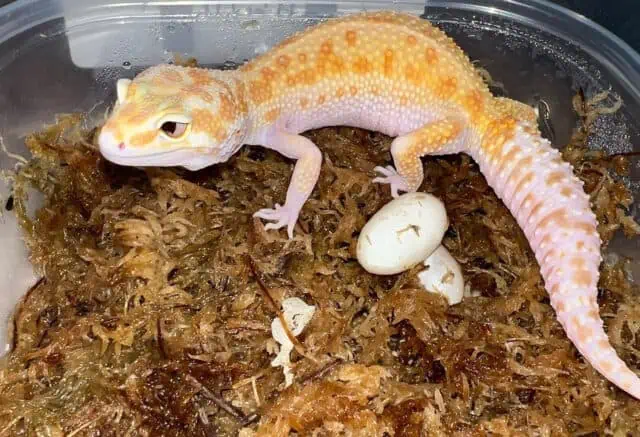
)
(297, 314)
(443, 275)
(402, 234)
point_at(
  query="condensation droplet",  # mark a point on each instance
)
(251, 25)
(126, 65)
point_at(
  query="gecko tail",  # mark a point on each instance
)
(551, 207)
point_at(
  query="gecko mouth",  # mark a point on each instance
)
(118, 153)
(170, 158)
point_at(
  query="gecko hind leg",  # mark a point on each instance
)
(439, 137)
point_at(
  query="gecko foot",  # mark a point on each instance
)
(390, 176)
(281, 215)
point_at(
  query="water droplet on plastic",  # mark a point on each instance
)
(229, 65)
(171, 28)
(126, 65)
(261, 48)
(251, 25)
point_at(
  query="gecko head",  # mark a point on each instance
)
(174, 116)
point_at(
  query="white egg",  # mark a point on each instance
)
(402, 234)
(443, 275)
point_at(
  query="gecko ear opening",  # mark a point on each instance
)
(122, 86)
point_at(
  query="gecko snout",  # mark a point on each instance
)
(110, 146)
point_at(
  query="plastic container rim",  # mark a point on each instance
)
(619, 58)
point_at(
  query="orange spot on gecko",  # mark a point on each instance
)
(606, 366)
(268, 73)
(322, 99)
(536, 209)
(580, 245)
(604, 344)
(170, 75)
(375, 90)
(361, 65)
(336, 65)
(546, 240)
(578, 263)
(132, 91)
(411, 40)
(304, 77)
(388, 62)
(528, 199)
(340, 92)
(284, 61)
(593, 314)
(582, 278)
(227, 109)
(523, 164)
(326, 47)
(259, 91)
(555, 289)
(404, 100)
(143, 138)
(526, 180)
(474, 103)
(498, 133)
(555, 177)
(114, 128)
(431, 56)
(302, 57)
(560, 307)
(447, 87)
(584, 334)
(566, 192)
(243, 107)
(204, 95)
(204, 121)
(200, 77)
(552, 253)
(558, 217)
(351, 38)
(272, 115)
(127, 111)
(353, 90)
(304, 102)
(411, 74)
(584, 226)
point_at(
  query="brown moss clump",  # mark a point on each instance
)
(150, 318)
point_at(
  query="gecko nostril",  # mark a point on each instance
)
(121, 146)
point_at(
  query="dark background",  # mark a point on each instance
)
(619, 16)
(616, 15)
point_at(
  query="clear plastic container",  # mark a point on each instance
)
(61, 56)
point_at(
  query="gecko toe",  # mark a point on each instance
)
(390, 176)
(280, 217)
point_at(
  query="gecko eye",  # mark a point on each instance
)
(174, 129)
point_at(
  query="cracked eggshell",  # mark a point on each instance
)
(402, 234)
(443, 275)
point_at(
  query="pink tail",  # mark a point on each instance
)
(551, 207)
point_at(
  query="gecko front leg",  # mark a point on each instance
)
(439, 137)
(304, 178)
